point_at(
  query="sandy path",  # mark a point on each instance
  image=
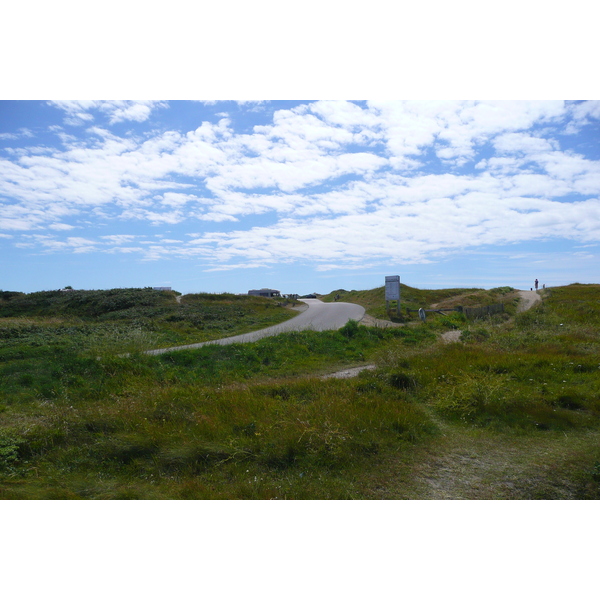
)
(528, 299)
(348, 373)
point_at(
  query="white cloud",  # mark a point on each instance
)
(456, 127)
(523, 143)
(155, 218)
(61, 226)
(379, 198)
(216, 217)
(177, 199)
(79, 111)
(119, 239)
(580, 111)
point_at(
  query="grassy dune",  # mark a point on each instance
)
(126, 320)
(510, 411)
(413, 299)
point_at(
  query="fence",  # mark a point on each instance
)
(482, 311)
(475, 312)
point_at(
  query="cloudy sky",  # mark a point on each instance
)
(301, 196)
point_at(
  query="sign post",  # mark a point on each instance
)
(392, 292)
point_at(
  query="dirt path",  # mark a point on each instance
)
(528, 299)
(348, 373)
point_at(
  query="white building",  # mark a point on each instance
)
(265, 293)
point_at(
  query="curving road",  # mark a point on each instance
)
(319, 316)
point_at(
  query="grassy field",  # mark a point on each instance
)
(511, 411)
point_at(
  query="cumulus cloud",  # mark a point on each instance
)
(343, 183)
(79, 112)
(22, 132)
(454, 129)
(581, 113)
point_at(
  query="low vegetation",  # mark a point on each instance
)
(509, 411)
(126, 320)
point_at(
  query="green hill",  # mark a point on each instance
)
(133, 318)
(413, 299)
(85, 304)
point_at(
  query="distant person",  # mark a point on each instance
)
(536, 285)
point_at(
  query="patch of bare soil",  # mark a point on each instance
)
(471, 470)
(348, 373)
(450, 337)
(471, 467)
(369, 321)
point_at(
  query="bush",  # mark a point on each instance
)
(350, 329)
(401, 381)
(9, 451)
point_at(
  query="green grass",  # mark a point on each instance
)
(512, 411)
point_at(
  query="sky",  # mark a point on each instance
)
(300, 196)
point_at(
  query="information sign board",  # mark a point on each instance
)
(392, 288)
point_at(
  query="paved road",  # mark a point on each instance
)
(319, 316)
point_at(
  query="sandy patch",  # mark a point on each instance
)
(348, 373)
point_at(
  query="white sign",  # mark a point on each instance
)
(392, 287)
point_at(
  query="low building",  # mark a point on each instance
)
(162, 289)
(265, 293)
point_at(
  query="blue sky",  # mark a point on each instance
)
(301, 196)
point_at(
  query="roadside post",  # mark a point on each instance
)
(392, 292)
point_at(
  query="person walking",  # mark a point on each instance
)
(536, 285)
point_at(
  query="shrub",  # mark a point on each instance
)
(9, 451)
(350, 329)
(401, 380)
